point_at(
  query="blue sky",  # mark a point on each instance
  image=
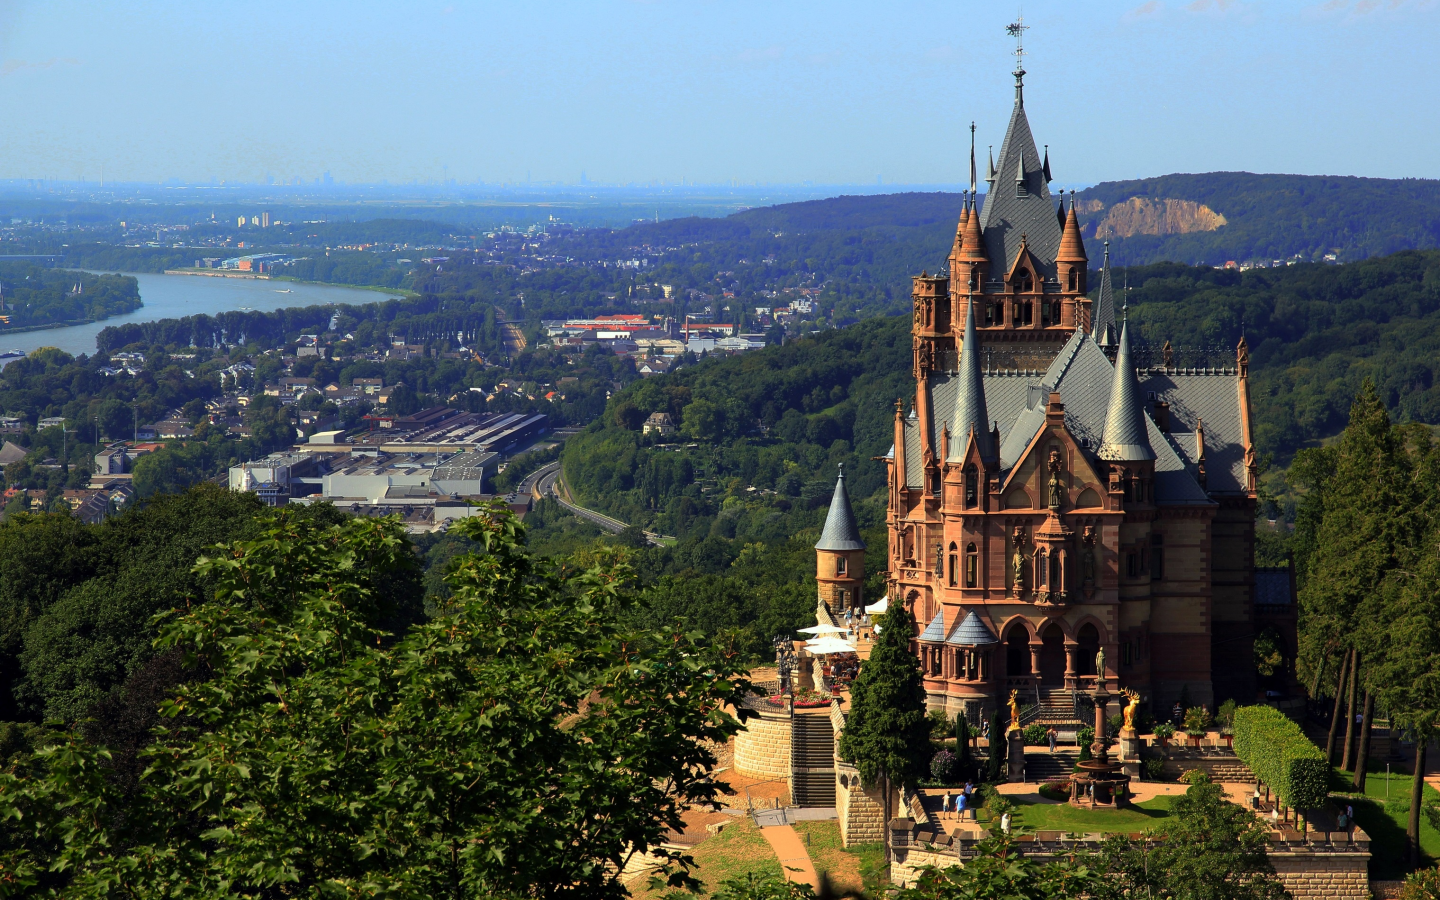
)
(773, 92)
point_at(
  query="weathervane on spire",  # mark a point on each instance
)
(972, 158)
(1017, 30)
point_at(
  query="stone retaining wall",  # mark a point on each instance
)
(1220, 767)
(1324, 876)
(762, 750)
(861, 812)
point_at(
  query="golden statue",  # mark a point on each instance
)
(1014, 712)
(1134, 699)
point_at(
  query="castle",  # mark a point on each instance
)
(1051, 494)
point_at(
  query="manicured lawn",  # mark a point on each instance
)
(1386, 821)
(1064, 817)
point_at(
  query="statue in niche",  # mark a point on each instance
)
(1087, 556)
(1169, 355)
(1057, 490)
(1020, 559)
(1100, 666)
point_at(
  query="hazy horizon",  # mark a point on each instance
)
(642, 92)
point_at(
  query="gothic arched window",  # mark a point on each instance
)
(972, 486)
(954, 568)
(1074, 279)
(1042, 568)
(1024, 281)
(972, 566)
(839, 565)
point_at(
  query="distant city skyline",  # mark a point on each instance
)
(639, 93)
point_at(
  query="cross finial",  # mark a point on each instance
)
(1017, 30)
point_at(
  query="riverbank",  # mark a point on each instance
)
(217, 273)
(395, 291)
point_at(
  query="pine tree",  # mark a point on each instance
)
(887, 734)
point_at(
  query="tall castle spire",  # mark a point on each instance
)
(1126, 438)
(1102, 324)
(971, 417)
(1024, 208)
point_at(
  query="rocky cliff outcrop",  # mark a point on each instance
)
(1141, 215)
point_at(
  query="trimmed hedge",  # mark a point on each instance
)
(1280, 754)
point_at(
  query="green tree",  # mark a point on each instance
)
(521, 743)
(1213, 850)
(1358, 543)
(887, 734)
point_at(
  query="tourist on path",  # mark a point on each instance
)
(1053, 736)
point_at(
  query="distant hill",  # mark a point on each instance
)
(1266, 217)
(1207, 219)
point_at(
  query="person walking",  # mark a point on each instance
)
(1054, 736)
(945, 805)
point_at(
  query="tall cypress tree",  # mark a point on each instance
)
(887, 736)
(1362, 532)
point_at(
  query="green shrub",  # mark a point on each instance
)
(1195, 776)
(1280, 755)
(1197, 720)
(1225, 716)
(939, 723)
(1036, 734)
(1164, 730)
(1153, 769)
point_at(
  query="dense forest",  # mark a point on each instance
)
(764, 434)
(34, 296)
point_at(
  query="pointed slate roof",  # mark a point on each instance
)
(1127, 435)
(972, 632)
(11, 453)
(970, 413)
(841, 532)
(1102, 315)
(935, 631)
(1006, 216)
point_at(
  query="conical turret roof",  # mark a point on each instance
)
(840, 532)
(970, 417)
(972, 632)
(972, 246)
(1102, 314)
(1126, 438)
(1072, 246)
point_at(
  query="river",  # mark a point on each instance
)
(175, 296)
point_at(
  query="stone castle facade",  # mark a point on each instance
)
(1051, 496)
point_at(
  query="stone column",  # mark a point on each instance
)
(1072, 665)
(1035, 659)
(1015, 755)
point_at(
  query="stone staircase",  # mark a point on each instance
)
(1057, 708)
(1045, 766)
(812, 760)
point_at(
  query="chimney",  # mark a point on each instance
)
(1162, 416)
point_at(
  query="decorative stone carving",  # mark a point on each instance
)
(1056, 489)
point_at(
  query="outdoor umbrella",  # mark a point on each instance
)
(879, 606)
(827, 645)
(822, 629)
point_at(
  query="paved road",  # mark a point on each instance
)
(547, 484)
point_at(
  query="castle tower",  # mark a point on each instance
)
(840, 555)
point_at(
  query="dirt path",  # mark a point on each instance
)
(790, 850)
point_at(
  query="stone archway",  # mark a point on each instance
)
(1088, 639)
(1017, 652)
(1052, 655)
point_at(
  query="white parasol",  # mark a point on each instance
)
(879, 606)
(827, 645)
(822, 629)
